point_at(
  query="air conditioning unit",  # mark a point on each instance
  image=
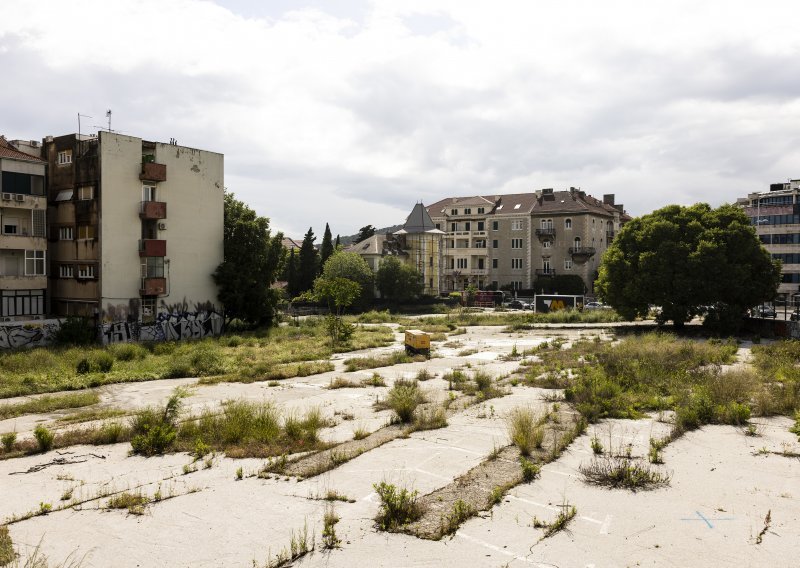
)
(6, 197)
(20, 197)
(162, 226)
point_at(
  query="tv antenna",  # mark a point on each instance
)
(79, 123)
(108, 116)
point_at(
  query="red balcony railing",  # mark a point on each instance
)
(152, 247)
(153, 287)
(153, 172)
(153, 210)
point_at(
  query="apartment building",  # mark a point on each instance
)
(519, 241)
(775, 214)
(135, 228)
(23, 242)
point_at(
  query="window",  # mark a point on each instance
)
(499, 207)
(480, 210)
(546, 265)
(430, 261)
(518, 205)
(451, 263)
(567, 264)
(86, 192)
(467, 226)
(481, 226)
(86, 271)
(567, 223)
(153, 267)
(22, 303)
(148, 309)
(65, 234)
(439, 226)
(148, 192)
(547, 244)
(495, 225)
(547, 223)
(34, 263)
(64, 157)
(494, 244)
(516, 264)
(494, 263)
(65, 271)
(516, 243)
(454, 227)
(480, 264)
(516, 225)
(461, 262)
(480, 243)
(467, 211)
(38, 222)
(516, 284)
(494, 284)
(85, 231)
(64, 195)
(454, 212)
(10, 226)
(577, 243)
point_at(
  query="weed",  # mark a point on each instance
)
(360, 432)
(398, 506)
(559, 524)
(329, 538)
(358, 363)
(239, 473)
(333, 495)
(133, 502)
(530, 470)
(67, 495)
(622, 472)
(154, 431)
(48, 403)
(460, 512)
(525, 430)
(343, 383)
(299, 546)
(200, 449)
(495, 453)
(403, 399)
(7, 554)
(767, 523)
(597, 445)
(44, 438)
(374, 381)
(497, 494)
(752, 430)
(431, 418)
(656, 445)
(8, 440)
(424, 375)
(44, 508)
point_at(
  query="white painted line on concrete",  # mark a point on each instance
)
(496, 548)
(448, 479)
(603, 524)
(606, 524)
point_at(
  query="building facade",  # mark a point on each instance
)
(775, 214)
(23, 240)
(519, 241)
(136, 227)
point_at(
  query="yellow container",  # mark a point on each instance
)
(418, 342)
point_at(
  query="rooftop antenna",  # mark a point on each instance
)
(79, 123)
(108, 116)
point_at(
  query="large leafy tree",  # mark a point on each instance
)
(252, 262)
(365, 233)
(685, 259)
(351, 266)
(398, 281)
(308, 265)
(326, 249)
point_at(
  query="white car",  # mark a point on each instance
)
(595, 306)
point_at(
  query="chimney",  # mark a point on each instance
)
(608, 199)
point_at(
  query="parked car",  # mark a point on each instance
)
(596, 306)
(795, 315)
(518, 305)
(766, 312)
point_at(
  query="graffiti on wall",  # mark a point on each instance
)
(27, 334)
(166, 327)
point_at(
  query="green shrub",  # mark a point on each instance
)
(530, 470)
(525, 430)
(128, 351)
(154, 430)
(7, 555)
(44, 438)
(75, 331)
(110, 433)
(403, 399)
(8, 440)
(398, 506)
(99, 362)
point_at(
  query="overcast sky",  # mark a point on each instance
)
(349, 112)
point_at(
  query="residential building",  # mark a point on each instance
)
(136, 227)
(776, 217)
(418, 243)
(518, 241)
(23, 240)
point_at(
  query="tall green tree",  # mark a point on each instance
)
(291, 274)
(252, 262)
(365, 233)
(397, 281)
(686, 258)
(338, 244)
(326, 250)
(308, 264)
(351, 266)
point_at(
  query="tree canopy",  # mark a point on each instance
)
(308, 263)
(326, 249)
(365, 233)
(397, 281)
(685, 259)
(352, 266)
(252, 260)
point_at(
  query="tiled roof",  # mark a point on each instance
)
(8, 151)
(291, 243)
(531, 203)
(372, 245)
(476, 200)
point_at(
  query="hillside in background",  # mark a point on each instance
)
(350, 239)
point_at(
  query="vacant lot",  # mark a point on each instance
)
(727, 462)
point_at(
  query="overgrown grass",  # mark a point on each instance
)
(525, 429)
(558, 524)
(430, 418)
(395, 358)
(134, 502)
(7, 555)
(622, 471)
(403, 398)
(47, 404)
(267, 354)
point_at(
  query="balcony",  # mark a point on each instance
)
(153, 287)
(153, 210)
(547, 272)
(466, 272)
(152, 247)
(22, 241)
(546, 234)
(153, 172)
(610, 236)
(582, 254)
(23, 201)
(20, 282)
(467, 251)
(466, 234)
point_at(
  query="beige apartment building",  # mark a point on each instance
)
(518, 241)
(136, 229)
(775, 214)
(23, 240)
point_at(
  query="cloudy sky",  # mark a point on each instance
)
(349, 112)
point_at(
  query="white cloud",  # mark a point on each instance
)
(349, 117)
